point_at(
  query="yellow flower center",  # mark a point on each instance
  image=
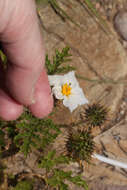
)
(66, 89)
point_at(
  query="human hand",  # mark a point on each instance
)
(25, 81)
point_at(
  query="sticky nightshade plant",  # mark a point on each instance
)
(80, 145)
(95, 115)
(56, 178)
(34, 133)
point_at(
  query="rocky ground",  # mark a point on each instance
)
(99, 55)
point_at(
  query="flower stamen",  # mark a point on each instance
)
(66, 89)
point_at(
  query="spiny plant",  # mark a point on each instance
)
(34, 132)
(28, 132)
(95, 115)
(23, 185)
(58, 60)
(50, 160)
(56, 177)
(80, 145)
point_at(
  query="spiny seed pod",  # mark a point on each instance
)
(95, 115)
(80, 145)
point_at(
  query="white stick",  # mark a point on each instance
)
(110, 161)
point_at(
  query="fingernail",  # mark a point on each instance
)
(33, 101)
(32, 97)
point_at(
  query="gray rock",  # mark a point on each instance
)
(120, 23)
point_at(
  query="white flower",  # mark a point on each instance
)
(67, 88)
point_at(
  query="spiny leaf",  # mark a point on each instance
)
(79, 181)
(34, 132)
(50, 160)
(58, 60)
(24, 185)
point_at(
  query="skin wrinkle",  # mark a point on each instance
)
(17, 12)
(24, 29)
(17, 73)
(4, 18)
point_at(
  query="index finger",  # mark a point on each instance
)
(22, 43)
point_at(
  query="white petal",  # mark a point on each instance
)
(62, 79)
(70, 78)
(54, 79)
(78, 92)
(69, 104)
(73, 101)
(57, 92)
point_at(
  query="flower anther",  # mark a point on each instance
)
(66, 89)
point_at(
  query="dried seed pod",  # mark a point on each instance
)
(95, 115)
(80, 145)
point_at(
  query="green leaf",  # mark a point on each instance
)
(57, 179)
(24, 185)
(58, 60)
(63, 186)
(47, 162)
(50, 161)
(79, 181)
(34, 132)
(61, 159)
